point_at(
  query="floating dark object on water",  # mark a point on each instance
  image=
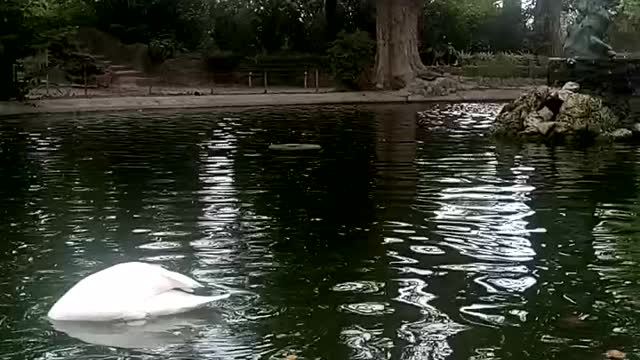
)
(294, 147)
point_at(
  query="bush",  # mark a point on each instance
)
(223, 62)
(162, 48)
(208, 47)
(351, 57)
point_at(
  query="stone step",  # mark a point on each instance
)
(137, 80)
(120, 67)
(134, 78)
(87, 53)
(127, 73)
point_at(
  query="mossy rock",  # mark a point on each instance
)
(565, 114)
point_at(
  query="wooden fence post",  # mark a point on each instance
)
(46, 67)
(266, 86)
(84, 68)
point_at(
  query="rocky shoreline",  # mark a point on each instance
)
(565, 114)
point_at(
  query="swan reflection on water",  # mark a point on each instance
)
(151, 334)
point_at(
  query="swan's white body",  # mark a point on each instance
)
(129, 291)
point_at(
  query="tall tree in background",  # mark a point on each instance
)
(513, 23)
(331, 15)
(398, 60)
(463, 23)
(631, 8)
(547, 25)
(15, 38)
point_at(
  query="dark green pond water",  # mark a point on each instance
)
(389, 243)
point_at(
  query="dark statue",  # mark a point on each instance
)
(588, 94)
(585, 35)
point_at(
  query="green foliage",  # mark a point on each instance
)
(247, 27)
(208, 47)
(162, 48)
(630, 9)
(52, 13)
(14, 27)
(27, 26)
(350, 56)
(500, 59)
(465, 58)
(624, 33)
(235, 28)
(227, 30)
(457, 22)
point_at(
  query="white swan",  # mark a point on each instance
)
(129, 291)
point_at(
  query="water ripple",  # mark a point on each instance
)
(392, 242)
(368, 308)
(362, 287)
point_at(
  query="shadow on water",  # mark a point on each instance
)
(320, 214)
(389, 242)
(574, 314)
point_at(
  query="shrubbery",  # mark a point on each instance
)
(351, 57)
(162, 48)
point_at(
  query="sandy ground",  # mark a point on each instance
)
(284, 98)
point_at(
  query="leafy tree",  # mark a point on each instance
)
(457, 22)
(13, 31)
(351, 55)
(251, 27)
(631, 9)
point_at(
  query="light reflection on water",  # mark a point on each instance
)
(390, 242)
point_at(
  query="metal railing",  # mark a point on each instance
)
(258, 81)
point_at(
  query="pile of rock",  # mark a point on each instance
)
(438, 86)
(547, 113)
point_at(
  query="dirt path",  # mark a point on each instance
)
(242, 100)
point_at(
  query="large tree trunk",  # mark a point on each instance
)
(331, 16)
(398, 59)
(547, 23)
(8, 88)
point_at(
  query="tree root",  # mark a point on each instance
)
(439, 86)
(429, 75)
